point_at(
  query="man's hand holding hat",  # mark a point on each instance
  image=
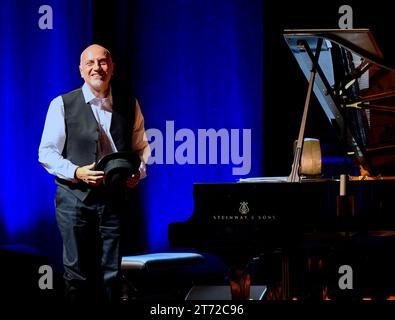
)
(88, 175)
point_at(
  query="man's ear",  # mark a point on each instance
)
(79, 67)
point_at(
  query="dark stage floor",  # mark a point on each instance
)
(314, 276)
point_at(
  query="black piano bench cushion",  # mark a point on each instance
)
(160, 260)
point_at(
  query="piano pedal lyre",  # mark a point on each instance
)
(240, 283)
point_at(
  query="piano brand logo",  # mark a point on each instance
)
(243, 209)
(207, 146)
(245, 214)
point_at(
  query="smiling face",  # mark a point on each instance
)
(96, 68)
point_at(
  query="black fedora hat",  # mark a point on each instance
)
(118, 166)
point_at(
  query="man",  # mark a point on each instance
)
(81, 127)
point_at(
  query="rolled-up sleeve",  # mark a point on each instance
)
(52, 143)
(139, 140)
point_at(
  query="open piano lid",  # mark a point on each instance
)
(355, 86)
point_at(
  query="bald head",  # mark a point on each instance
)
(96, 69)
(94, 48)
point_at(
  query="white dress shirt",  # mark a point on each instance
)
(54, 135)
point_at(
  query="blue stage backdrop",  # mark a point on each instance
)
(38, 64)
(199, 67)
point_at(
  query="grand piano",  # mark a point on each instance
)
(340, 216)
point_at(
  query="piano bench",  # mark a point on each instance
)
(148, 273)
(160, 260)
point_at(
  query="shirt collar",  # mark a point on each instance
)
(90, 98)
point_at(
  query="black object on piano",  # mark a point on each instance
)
(356, 89)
